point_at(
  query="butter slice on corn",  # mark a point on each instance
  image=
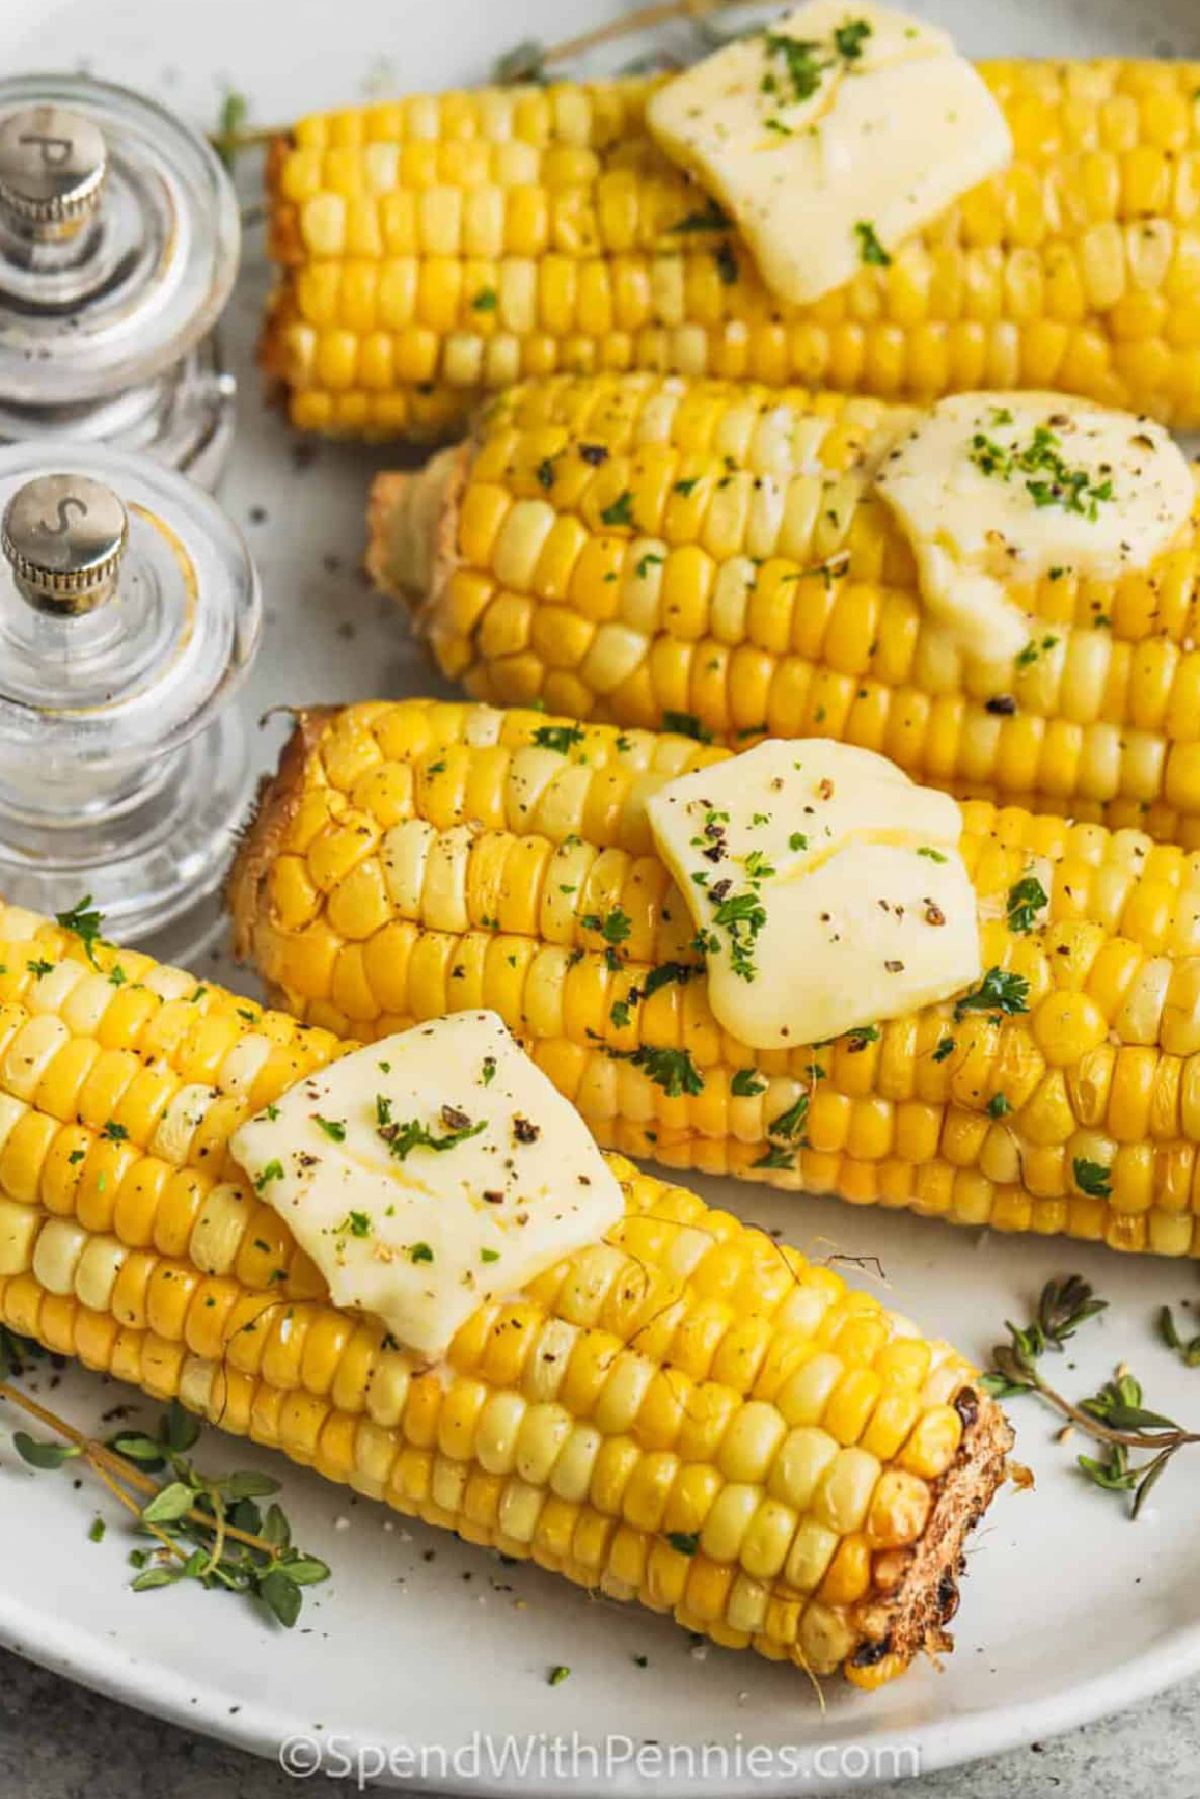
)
(999, 491)
(831, 137)
(827, 889)
(430, 1174)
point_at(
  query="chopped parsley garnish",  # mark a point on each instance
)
(1051, 482)
(775, 1157)
(800, 65)
(614, 927)
(747, 1083)
(115, 1133)
(686, 724)
(743, 916)
(664, 974)
(355, 1224)
(558, 737)
(686, 1541)
(711, 219)
(619, 1013)
(869, 247)
(117, 976)
(859, 1035)
(620, 512)
(489, 1255)
(997, 992)
(685, 487)
(1092, 1177)
(402, 1139)
(545, 471)
(1025, 900)
(557, 1675)
(998, 1106)
(489, 1070)
(485, 300)
(797, 841)
(420, 1252)
(945, 1048)
(272, 1172)
(790, 1123)
(40, 968)
(272, 1113)
(670, 1069)
(1029, 655)
(333, 1128)
(933, 855)
(644, 563)
(84, 922)
(850, 38)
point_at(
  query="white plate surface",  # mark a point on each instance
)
(1069, 1611)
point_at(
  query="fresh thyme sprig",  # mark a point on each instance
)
(1114, 1417)
(207, 1528)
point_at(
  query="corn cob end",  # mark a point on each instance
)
(275, 806)
(412, 521)
(912, 1620)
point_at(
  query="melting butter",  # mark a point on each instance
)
(826, 886)
(430, 1172)
(993, 490)
(832, 136)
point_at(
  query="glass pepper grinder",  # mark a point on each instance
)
(119, 243)
(130, 613)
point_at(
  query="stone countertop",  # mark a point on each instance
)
(58, 1741)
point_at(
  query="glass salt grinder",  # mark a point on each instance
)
(130, 613)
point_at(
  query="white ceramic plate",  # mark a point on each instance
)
(1069, 1610)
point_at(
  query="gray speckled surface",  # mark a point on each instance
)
(58, 1741)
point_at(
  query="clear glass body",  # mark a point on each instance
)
(123, 771)
(102, 335)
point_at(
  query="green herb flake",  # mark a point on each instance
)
(747, 1083)
(558, 737)
(485, 300)
(997, 992)
(686, 724)
(1092, 1177)
(1025, 900)
(869, 247)
(85, 922)
(333, 1128)
(620, 512)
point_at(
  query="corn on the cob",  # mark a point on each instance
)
(686, 1413)
(438, 246)
(417, 857)
(756, 580)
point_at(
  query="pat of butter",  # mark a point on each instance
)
(827, 887)
(997, 489)
(429, 1173)
(831, 137)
